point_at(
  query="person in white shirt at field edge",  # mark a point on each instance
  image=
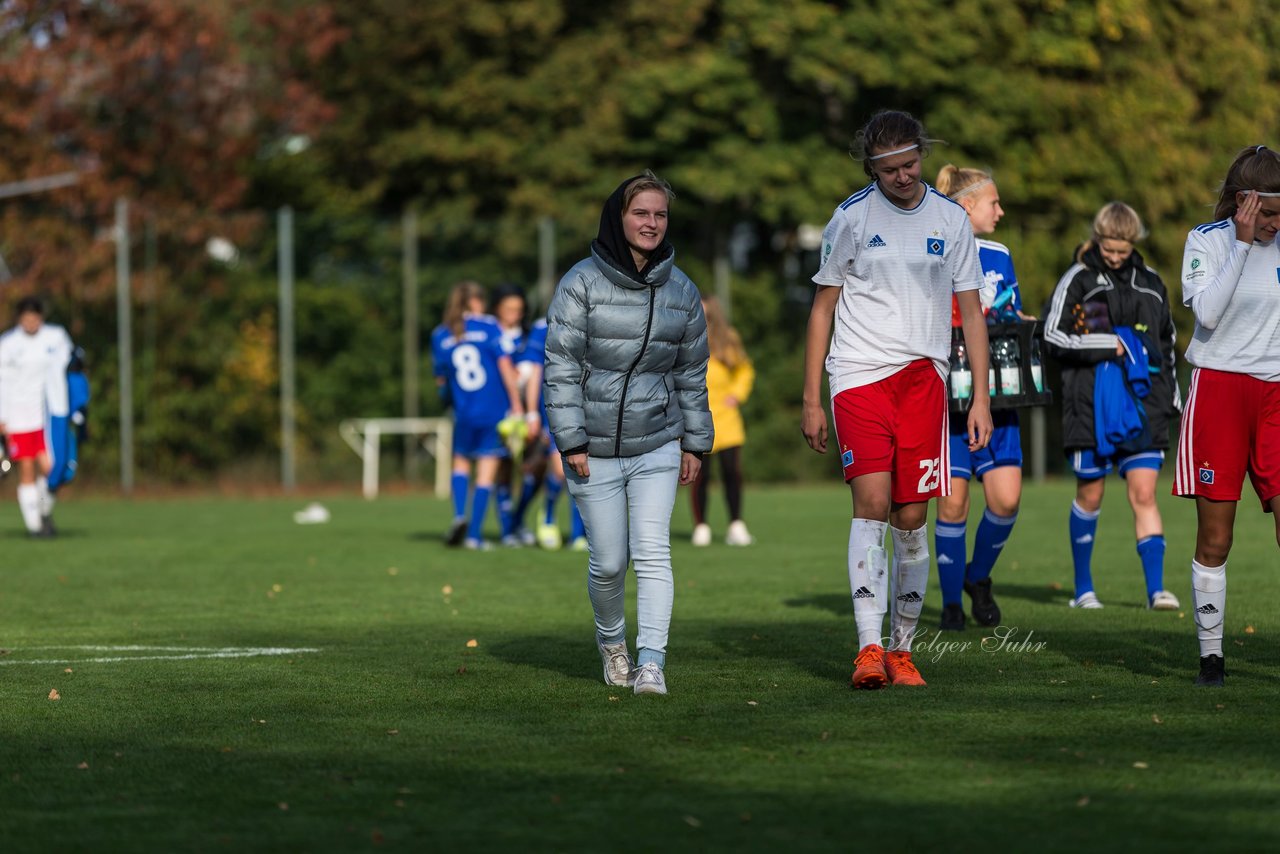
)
(33, 384)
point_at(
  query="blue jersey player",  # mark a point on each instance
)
(532, 359)
(999, 465)
(474, 371)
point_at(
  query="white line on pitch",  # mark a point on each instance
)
(190, 653)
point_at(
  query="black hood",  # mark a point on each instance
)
(611, 244)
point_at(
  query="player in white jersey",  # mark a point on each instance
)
(1231, 425)
(893, 255)
(33, 385)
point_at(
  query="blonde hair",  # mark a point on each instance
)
(723, 340)
(455, 308)
(1118, 221)
(1115, 221)
(1255, 168)
(953, 181)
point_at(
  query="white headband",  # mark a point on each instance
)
(972, 188)
(910, 147)
(1266, 195)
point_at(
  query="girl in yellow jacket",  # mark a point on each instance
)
(729, 380)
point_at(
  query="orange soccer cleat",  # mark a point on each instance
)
(902, 671)
(868, 668)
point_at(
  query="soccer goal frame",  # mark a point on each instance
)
(364, 436)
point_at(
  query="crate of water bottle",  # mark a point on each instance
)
(1015, 372)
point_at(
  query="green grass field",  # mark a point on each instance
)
(452, 701)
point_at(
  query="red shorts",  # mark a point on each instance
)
(898, 425)
(26, 446)
(1231, 425)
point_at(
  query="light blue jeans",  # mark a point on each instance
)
(626, 505)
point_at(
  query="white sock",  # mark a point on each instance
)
(29, 504)
(1209, 592)
(868, 579)
(910, 575)
(46, 497)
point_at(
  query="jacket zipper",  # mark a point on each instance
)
(622, 404)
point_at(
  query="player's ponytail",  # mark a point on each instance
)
(956, 183)
(1255, 168)
(455, 308)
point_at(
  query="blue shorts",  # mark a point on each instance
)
(1005, 448)
(1088, 466)
(551, 441)
(477, 440)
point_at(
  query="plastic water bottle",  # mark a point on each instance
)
(961, 375)
(1037, 366)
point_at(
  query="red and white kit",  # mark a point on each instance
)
(33, 382)
(897, 270)
(1231, 424)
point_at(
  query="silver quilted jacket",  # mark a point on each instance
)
(626, 368)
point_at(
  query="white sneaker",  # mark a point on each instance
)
(738, 535)
(1163, 600)
(1088, 601)
(702, 535)
(649, 679)
(619, 669)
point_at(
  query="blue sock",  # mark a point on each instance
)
(505, 516)
(948, 545)
(1083, 526)
(993, 533)
(459, 485)
(479, 507)
(554, 485)
(576, 528)
(528, 489)
(1151, 550)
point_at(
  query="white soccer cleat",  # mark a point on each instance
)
(738, 535)
(1088, 601)
(474, 545)
(649, 679)
(619, 670)
(1163, 600)
(579, 544)
(701, 535)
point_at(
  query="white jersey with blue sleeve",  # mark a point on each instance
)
(897, 270)
(469, 364)
(1000, 295)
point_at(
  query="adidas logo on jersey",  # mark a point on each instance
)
(1207, 609)
(863, 593)
(876, 243)
(910, 598)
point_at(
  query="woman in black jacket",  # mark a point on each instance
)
(1107, 298)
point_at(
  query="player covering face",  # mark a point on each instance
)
(1231, 426)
